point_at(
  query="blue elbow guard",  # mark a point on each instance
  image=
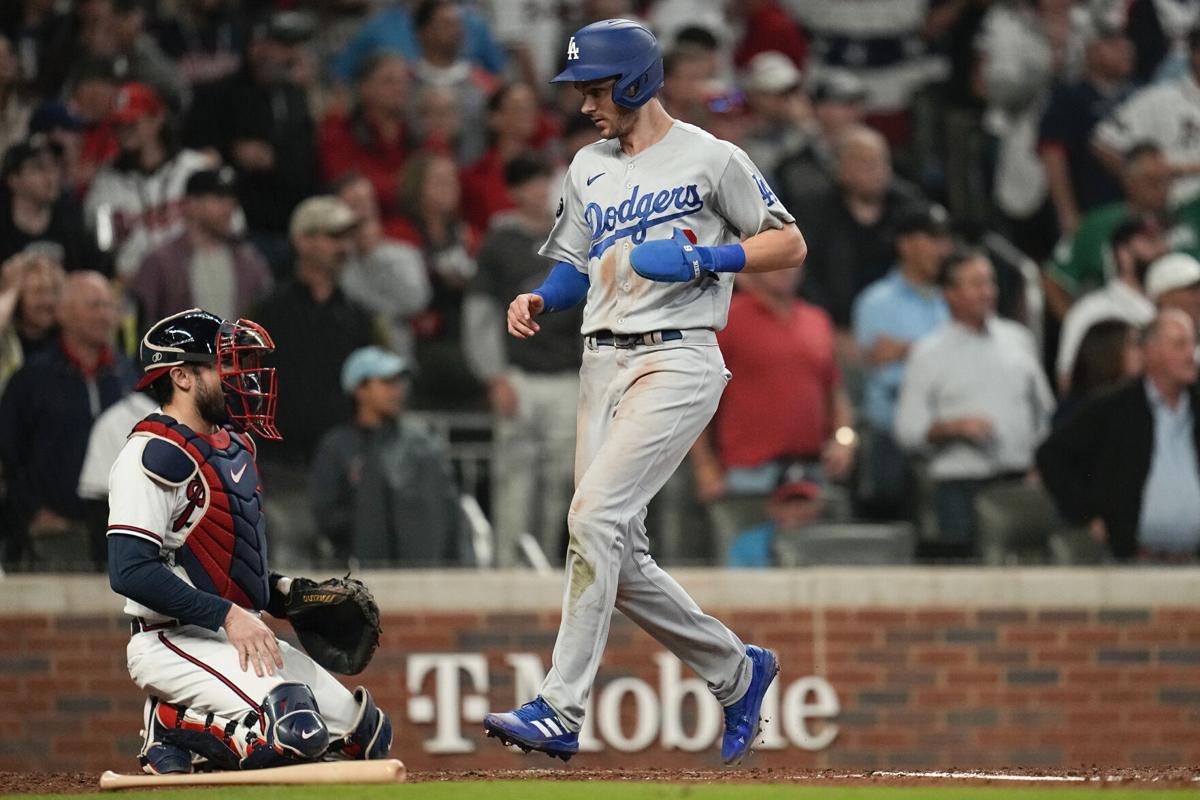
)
(563, 288)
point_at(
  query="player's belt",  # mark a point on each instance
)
(139, 625)
(629, 340)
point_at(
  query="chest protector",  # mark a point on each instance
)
(224, 551)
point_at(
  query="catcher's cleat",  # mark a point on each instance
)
(533, 726)
(742, 721)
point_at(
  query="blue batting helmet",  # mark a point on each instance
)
(616, 48)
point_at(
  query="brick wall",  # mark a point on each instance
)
(923, 686)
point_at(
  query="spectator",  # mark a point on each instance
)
(890, 317)
(974, 400)
(1125, 464)
(45, 415)
(33, 216)
(1173, 281)
(315, 327)
(1024, 47)
(205, 39)
(780, 109)
(205, 266)
(1084, 262)
(1164, 114)
(30, 287)
(383, 489)
(15, 108)
(785, 405)
(794, 505)
(393, 29)
(769, 28)
(383, 275)
(30, 25)
(138, 55)
(1076, 179)
(443, 62)
(91, 94)
(855, 217)
(1135, 244)
(371, 138)
(104, 442)
(837, 105)
(259, 121)
(687, 72)
(135, 202)
(881, 42)
(437, 123)
(512, 124)
(532, 32)
(532, 383)
(1109, 356)
(430, 197)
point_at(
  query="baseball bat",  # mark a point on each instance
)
(389, 771)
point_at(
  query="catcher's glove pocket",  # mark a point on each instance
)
(337, 622)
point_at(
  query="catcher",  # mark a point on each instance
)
(187, 549)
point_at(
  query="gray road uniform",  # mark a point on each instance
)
(641, 407)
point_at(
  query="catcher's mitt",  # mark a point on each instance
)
(337, 621)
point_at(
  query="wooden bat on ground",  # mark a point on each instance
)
(388, 771)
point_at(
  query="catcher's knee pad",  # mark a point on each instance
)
(370, 736)
(294, 729)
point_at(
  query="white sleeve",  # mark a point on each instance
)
(1128, 124)
(571, 238)
(137, 505)
(745, 201)
(914, 412)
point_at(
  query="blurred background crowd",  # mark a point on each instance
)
(989, 356)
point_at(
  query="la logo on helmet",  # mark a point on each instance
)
(572, 50)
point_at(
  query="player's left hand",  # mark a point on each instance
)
(674, 260)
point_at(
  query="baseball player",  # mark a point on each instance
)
(653, 220)
(187, 549)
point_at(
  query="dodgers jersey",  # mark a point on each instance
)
(611, 202)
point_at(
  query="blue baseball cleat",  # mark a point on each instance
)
(533, 726)
(742, 721)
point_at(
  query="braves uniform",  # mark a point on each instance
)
(642, 407)
(198, 499)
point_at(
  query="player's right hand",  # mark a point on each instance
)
(521, 312)
(254, 641)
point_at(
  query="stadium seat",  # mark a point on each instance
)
(847, 544)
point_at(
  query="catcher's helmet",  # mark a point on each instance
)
(236, 348)
(617, 48)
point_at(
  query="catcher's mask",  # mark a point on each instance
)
(249, 388)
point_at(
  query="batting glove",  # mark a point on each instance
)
(677, 260)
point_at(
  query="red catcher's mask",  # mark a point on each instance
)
(249, 388)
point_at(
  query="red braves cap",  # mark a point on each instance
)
(134, 101)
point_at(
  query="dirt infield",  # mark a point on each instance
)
(1151, 777)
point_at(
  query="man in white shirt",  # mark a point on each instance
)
(975, 400)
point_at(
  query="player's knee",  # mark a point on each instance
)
(370, 735)
(294, 725)
(588, 525)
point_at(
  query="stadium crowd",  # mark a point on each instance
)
(989, 355)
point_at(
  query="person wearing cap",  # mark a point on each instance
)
(837, 100)
(855, 217)
(797, 502)
(46, 412)
(382, 486)
(315, 326)
(1173, 281)
(206, 265)
(1165, 114)
(889, 317)
(1135, 244)
(34, 215)
(975, 402)
(134, 204)
(533, 384)
(768, 27)
(781, 112)
(259, 121)
(1075, 177)
(1125, 465)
